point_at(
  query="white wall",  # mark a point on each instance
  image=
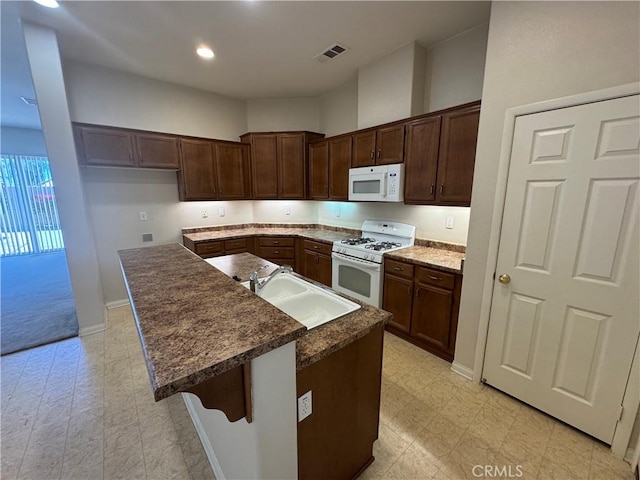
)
(22, 141)
(116, 196)
(48, 82)
(339, 110)
(109, 97)
(386, 88)
(455, 70)
(284, 114)
(273, 211)
(536, 51)
(429, 220)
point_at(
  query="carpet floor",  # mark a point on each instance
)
(36, 301)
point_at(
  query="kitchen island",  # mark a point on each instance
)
(205, 334)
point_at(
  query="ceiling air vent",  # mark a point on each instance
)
(331, 52)
(30, 101)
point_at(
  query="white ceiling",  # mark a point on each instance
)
(264, 49)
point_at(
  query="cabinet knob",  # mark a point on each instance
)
(504, 279)
(315, 247)
(277, 252)
(432, 277)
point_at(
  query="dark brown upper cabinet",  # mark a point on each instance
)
(457, 156)
(440, 156)
(118, 147)
(279, 163)
(213, 170)
(319, 170)
(233, 170)
(381, 146)
(340, 149)
(421, 160)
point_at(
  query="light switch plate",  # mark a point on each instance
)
(221, 211)
(448, 223)
(287, 209)
(204, 214)
(143, 216)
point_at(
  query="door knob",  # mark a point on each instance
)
(504, 279)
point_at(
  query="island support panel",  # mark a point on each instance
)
(266, 447)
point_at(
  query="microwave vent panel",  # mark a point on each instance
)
(331, 52)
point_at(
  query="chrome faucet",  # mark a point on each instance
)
(256, 285)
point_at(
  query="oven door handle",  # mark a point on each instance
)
(346, 259)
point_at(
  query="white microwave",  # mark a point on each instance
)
(382, 183)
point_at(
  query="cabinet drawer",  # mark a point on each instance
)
(276, 252)
(236, 244)
(210, 248)
(399, 269)
(317, 247)
(435, 278)
(275, 242)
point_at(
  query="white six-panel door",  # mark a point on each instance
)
(563, 331)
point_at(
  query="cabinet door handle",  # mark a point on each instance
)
(418, 292)
(275, 242)
(277, 252)
(315, 247)
(398, 268)
(441, 188)
(378, 154)
(372, 154)
(437, 279)
(431, 188)
(409, 291)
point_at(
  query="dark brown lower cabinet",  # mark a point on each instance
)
(217, 248)
(336, 440)
(317, 262)
(425, 304)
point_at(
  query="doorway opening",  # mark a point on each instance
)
(37, 304)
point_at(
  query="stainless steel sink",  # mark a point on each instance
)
(309, 304)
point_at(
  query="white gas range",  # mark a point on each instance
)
(357, 262)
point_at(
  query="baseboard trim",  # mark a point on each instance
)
(117, 303)
(92, 329)
(466, 372)
(204, 439)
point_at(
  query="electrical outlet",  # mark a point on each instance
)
(143, 216)
(204, 214)
(221, 211)
(337, 210)
(304, 406)
(287, 209)
(448, 223)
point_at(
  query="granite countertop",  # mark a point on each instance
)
(318, 342)
(190, 318)
(311, 232)
(437, 255)
(437, 258)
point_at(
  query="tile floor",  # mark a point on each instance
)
(83, 409)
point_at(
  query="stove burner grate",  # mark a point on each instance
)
(383, 246)
(358, 241)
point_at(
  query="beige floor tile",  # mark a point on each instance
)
(414, 464)
(394, 398)
(444, 430)
(439, 393)
(12, 450)
(603, 472)
(123, 455)
(558, 471)
(463, 408)
(517, 452)
(603, 460)
(412, 419)
(386, 450)
(475, 449)
(577, 464)
(533, 440)
(510, 469)
(458, 467)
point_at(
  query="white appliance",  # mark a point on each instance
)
(382, 183)
(357, 268)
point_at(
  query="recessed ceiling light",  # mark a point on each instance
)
(48, 3)
(205, 52)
